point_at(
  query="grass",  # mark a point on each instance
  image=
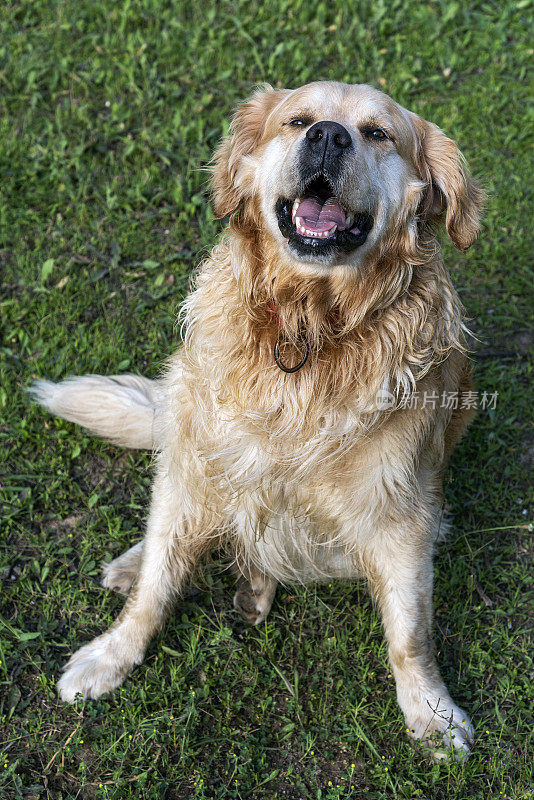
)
(108, 110)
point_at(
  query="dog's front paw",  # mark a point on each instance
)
(444, 728)
(95, 669)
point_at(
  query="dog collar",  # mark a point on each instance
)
(283, 339)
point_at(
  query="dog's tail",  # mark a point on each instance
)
(124, 409)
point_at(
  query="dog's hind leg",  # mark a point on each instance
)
(254, 596)
(175, 541)
(120, 573)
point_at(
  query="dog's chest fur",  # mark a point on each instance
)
(302, 506)
(304, 465)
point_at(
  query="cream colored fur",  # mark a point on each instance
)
(121, 408)
(303, 476)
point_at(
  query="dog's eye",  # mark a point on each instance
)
(299, 122)
(375, 134)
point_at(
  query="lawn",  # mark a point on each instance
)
(109, 112)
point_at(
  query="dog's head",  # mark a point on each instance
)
(333, 171)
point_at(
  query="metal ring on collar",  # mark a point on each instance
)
(297, 366)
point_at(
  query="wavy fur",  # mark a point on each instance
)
(304, 476)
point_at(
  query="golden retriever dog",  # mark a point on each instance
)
(306, 421)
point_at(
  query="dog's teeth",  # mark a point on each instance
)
(349, 220)
(315, 234)
(296, 205)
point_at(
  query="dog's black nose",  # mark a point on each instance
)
(330, 134)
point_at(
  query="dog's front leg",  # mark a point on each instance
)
(174, 541)
(400, 574)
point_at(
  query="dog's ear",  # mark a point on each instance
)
(451, 189)
(245, 134)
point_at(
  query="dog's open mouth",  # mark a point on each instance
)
(315, 222)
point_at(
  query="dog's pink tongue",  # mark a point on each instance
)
(321, 216)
